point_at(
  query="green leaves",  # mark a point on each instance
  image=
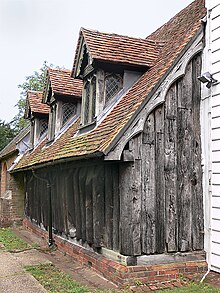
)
(7, 133)
(34, 82)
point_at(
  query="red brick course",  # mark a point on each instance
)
(121, 274)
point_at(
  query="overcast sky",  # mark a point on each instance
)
(32, 31)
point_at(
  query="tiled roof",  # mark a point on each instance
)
(11, 147)
(113, 48)
(179, 31)
(48, 153)
(63, 84)
(34, 100)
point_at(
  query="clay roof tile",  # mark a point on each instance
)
(63, 84)
(34, 99)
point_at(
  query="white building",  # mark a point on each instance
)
(211, 135)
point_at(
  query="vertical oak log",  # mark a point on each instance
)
(184, 159)
(98, 206)
(159, 180)
(77, 208)
(70, 200)
(82, 192)
(116, 208)
(108, 207)
(89, 205)
(126, 241)
(196, 180)
(130, 201)
(148, 186)
(170, 168)
(137, 195)
(64, 199)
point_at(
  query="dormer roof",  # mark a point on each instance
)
(117, 49)
(34, 104)
(62, 84)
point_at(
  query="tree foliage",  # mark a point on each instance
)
(7, 133)
(33, 82)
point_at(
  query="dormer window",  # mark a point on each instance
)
(68, 110)
(89, 101)
(38, 113)
(113, 84)
(52, 121)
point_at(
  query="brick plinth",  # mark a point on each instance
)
(120, 274)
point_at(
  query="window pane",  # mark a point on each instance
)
(43, 126)
(52, 122)
(93, 97)
(112, 87)
(86, 110)
(69, 110)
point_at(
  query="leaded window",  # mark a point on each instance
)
(32, 133)
(43, 126)
(93, 85)
(87, 98)
(52, 120)
(68, 110)
(113, 84)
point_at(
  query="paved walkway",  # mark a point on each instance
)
(14, 279)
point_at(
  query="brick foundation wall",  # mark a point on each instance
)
(11, 195)
(120, 274)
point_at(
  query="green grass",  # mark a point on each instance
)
(10, 241)
(53, 280)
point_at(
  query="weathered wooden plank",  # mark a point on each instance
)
(108, 207)
(77, 208)
(71, 216)
(43, 192)
(159, 180)
(170, 168)
(130, 202)
(116, 207)
(125, 182)
(184, 160)
(64, 189)
(184, 88)
(148, 186)
(98, 206)
(136, 187)
(196, 180)
(136, 208)
(89, 205)
(82, 198)
(58, 215)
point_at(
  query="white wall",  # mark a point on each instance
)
(211, 136)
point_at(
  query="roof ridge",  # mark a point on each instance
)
(33, 91)
(118, 35)
(59, 69)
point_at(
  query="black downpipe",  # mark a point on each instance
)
(50, 229)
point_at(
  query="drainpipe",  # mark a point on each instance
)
(50, 231)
